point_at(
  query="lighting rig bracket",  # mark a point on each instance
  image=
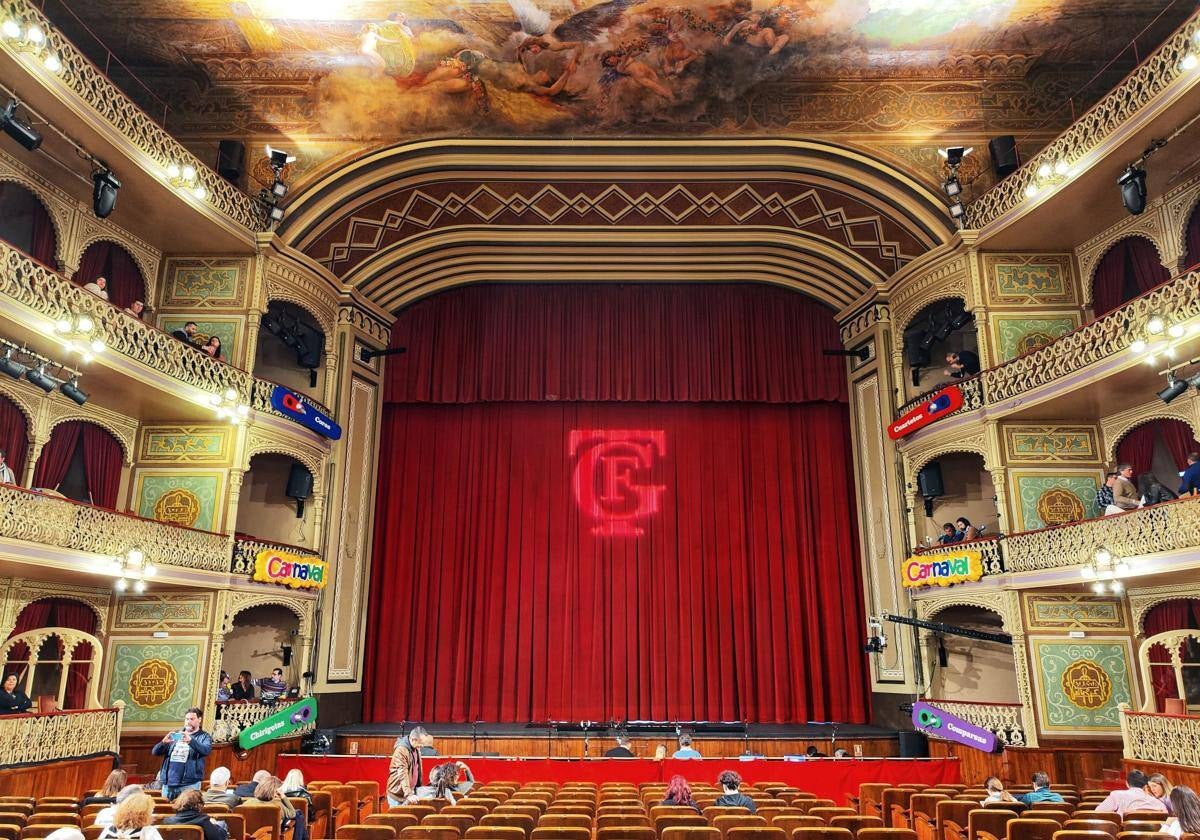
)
(951, 629)
(367, 355)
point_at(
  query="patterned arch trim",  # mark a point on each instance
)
(1098, 257)
(17, 399)
(36, 191)
(240, 602)
(46, 596)
(969, 446)
(1120, 433)
(315, 463)
(148, 271)
(1005, 607)
(125, 444)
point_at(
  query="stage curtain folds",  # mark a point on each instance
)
(1129, 269)
(14, 439)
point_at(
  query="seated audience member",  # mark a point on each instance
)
(13, 701)
(137, 309)
(1152, 490)
(841, 752)
(1133, 798)
(996, 791)
(213, 347)
(218, 792)
(243, 689)
(949, 535)
(1158, 787)
(813, 752)
(444, 782)
(132, 820)
(1041, 791)
(731, 793)
(1125, 495)
(270, 789)
(67, 832)
(622, 749)
(1189, 483)
(679, 792)
(293, 785)
(188, 334)
(224, 688)
(1104, 496)
(98, 287)
(962, 364)
(686, 750)
(106, 815)
(189, 810)
(1185, 806)
(660, 752)
(968, 531)
(273, 687)
(107, 794)
(246, 789)
(7, 476)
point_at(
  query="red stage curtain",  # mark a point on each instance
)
(13, 436)
(33, 617)
(102, 459)
(109, 260)
(1130, 268)
(1179, 439)
(1192, 239)
(56, 455)
(1179, 614)
(492, 598)
(25, 223)
(647, 343)
(1137, 447)
(77, 616)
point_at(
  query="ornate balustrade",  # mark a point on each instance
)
(94, 91)
(246, 549)
(232, 718)
(29, 739)
(50, 520)
(1001, 719)
(1161, 739)
(260, 397)
(989, 547)
(1104, 120)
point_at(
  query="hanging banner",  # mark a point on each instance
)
(280, 725)
(937, 722)
(941, 569)
(299, 410)
(939, 405)
(299, 571)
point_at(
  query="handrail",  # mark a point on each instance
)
(123, 513)
(958, 546)
(300, 549)
(973, 703)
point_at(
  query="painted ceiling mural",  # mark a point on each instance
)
(331, 76)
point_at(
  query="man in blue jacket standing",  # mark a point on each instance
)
(1191, 476)
(183, 751)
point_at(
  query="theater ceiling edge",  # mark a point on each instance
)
(330, 78)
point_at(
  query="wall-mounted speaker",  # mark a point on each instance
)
(1005, 157)
(929, 481)
(231, 160)
(299, 486)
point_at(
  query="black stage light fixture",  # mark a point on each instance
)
(272, 325)
(72, 390)
(104, 192)
(943, 331)
(306, 356)
(279, 158)
(279, 189)
(958, 211)
(1195, 382)
(18, 129)
(952, 187)
(1133, 189)
(1175, 387)
(275, 214)
(919, 357)
(11, 366)
(916, 377)
(955, 154)
(40, 378)
(959, 316)
(929, 338)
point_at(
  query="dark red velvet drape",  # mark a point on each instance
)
(109, 260)
(1179, 439)
(24, 211)
(102, 465)
(1192, 240)
(1130, 268)
(495, 600)
(33, 617)
(1137, 447)
(77, 616)
(13, 437)
(1179, 614)
(55, 458)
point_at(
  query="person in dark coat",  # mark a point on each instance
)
(189, 810)
(13, 701)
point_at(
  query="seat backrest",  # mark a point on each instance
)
(1107, 816)
(430, 832)
(54, 818)
(689, 832)
(808, 804)
(1058, 815)
(755, 832)
(40, 830)
(828, 814)
(18, 818)
(665, 821)
(9, 831)
(626, 832)
(1149, 816)
(714, 811)
(790, 822)
(521, 821)
(870, 795)
(460, 821)
(1033, 829)
(561, 833)
(827, 832)
(180, 832)
(725, 822)
(887, 834)
(262, 819)
(856, 823)
(494, 832)
(1071, 834)
(925, 804)
(1106, 826)
(990, 820)
(235, 823)
(366, 831)
(549, 820)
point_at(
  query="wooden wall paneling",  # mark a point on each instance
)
(137, 760)
(1178, 775)
(1067, 762)
(56, 778)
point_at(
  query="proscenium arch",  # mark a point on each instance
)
(905, 217)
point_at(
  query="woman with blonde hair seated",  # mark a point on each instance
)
(132, 820)
(270, 789)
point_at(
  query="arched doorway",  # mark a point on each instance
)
(265, 508)
(111, 261)
(1159, 447)
(47, 669)
(26, 224)
(967, 492)
(14, 437)
(82, 461)
(1176, 614)
(291, 349)
(970, 670)
(941, 328)
(262, 638)
(1130, 268)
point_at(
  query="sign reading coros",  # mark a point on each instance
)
(941, 570)
(295, 570)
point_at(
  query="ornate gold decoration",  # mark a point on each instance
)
(942, 279)
(1018, 279)
(245, 550)
(1001, 719)
(1086, 684)
(68, 642)
(1160, 739)
(1050, 444)
(1114, 427)
(232, 718)
(1057, 506)
(24, 592)
(177, 507)
(1073, 612)
(39, 738)
(1171, 641)
(1143, 599)
(152, 683)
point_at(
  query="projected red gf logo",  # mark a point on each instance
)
(610, 478)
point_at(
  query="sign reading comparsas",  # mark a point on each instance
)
(280, 724)
(944, 402)
(941, 569)
(934, 721)
(294, 407)
(299, 571)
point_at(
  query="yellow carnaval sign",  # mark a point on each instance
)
(922, 570)
(295, 570)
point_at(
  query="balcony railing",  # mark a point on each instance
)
(1001, 719)
(989, 547)
(246, 549)
(972, 391)
(50, 520)
(233, 717)
(1161, 739)
(31, 739)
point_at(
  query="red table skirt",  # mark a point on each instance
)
(828, 778)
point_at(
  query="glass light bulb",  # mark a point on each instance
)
(1152, 360)
(139, 586)
(62, 325)
(121, 585)
(1088, 573)
(173, 171)
(1044, 171)
(97, 345)
(85, 356)
(189, 172)
(1103, 556)
(34, 34)
(85, 323)
(1190, 62)
(11, 28)
(1098, 587)
(200, 193)
(135, 556)
(243, 410)
(214, 399)
(1031, 190)
(1155, 325)
(1176, 331)
(52, 62)
(1138, 346)
(230, 394)
(1061, 167)
(1116, 587)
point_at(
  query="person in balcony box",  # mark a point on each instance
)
(1125, 494)
(967, 530)
(243, 689)
(962, 364)
(1104, 496)
(7, 476)
(183, 752)
(13, 701)
(950, 534)
(1190, 479)
(98, 287)
(1152, 490)
(224, 688)
(271, 688)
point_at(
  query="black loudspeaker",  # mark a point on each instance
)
(287, 655)
(914, 745)
(1004, 154)
(231, 160)
(929, 481)
(300, 483)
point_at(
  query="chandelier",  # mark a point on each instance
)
(1105, 572)
(130, 570)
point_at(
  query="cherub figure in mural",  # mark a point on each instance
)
(620, 64)
(531, 49)
(388, 46)
(585, 26)
(754, 31)
(674, 54)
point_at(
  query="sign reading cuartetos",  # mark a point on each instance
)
(294, 407)
(938, 722)
(280, 724)
(299, 571)
(941, 569)
(943, 403)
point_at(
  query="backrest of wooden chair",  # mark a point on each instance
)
(366, 831)
(430, 832)
(560, 832)
(657, 811)
(807, 805)
(619, 820)
(93, 832)
(689, 832)
(870, 795)
(494, 832)
(1030, 828)
(18, 818)
(1058, 815)
(1152, 826)
(460, 821)
(521, 821)
(1145, 835)
(828, 814)
(755, 832)
(1107, 816)
(53, 818)
(856, 823)
(1146, 816)
(827, 832)
(725, 822)
(1072, 834)
(626, 832)
(1106, 826)
(9, 831)
(990, 820)
(713, 811)
(565, 821)
(235, 823)
(887, 834)
(925, 804)
(262, 819)
(180, 832)
(40, 829)
(664, 821)
(790, 822)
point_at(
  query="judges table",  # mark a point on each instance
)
(828, 778)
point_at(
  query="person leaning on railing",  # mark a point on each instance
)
(7, 476)
(13, 701)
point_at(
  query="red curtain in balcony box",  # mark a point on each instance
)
(102, 458)
(109, 260)
(13, 437)
(56, 455)
(77, 616)
(1137, 447)
(1179, 439)
(18, 202)
(1130, 268)
(1192, 240)
(1178, 614)
(34, 617)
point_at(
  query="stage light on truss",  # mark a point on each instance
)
(40, 378)
(1175, 388)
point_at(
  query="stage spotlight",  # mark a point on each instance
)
(279, 189)
(275, 214)
(1175, 387)
(918, 357)
(958, 211)
(279, 158)
(954, 155)
(11, 366)
(72, 390)
(18, 129)
(1133, 190)
(929, 339)
(40, 378)
(958, 316)
(1195, 382)
(952, 187)
(306, 356)
(104, 193)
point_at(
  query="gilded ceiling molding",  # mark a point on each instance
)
(1005, 604)
(1142, 600)
(919, 456)
(1152, 225)
(1116, 426)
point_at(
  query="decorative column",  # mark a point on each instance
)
(1024, 686)
(215, 649)
(235, 494)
